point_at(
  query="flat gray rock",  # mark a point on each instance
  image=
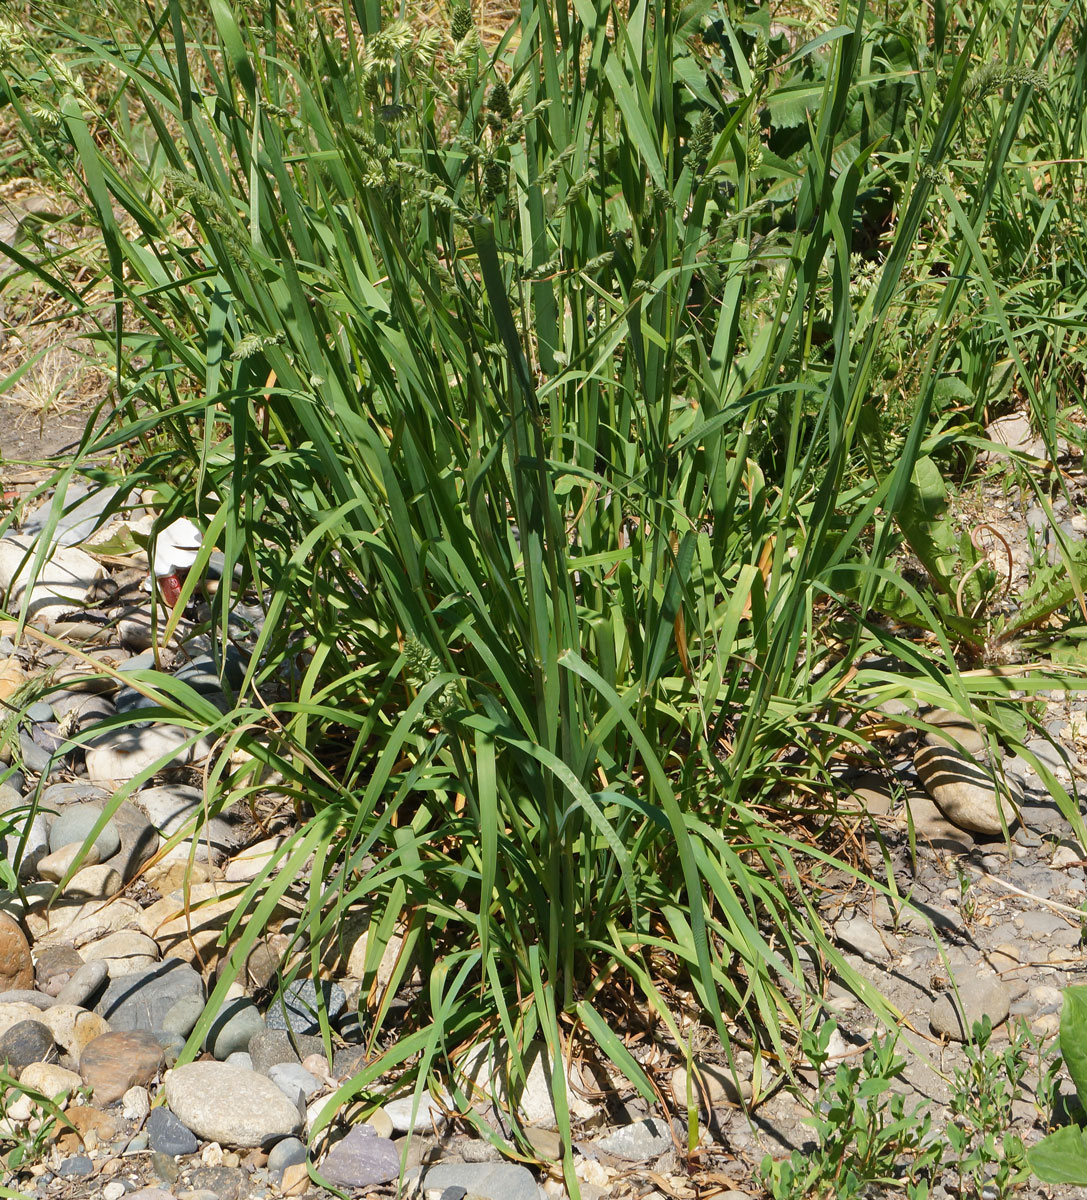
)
(295, 1082)
(142, 1000)
(638, 1142)
(182, 1017)
(296, 1009)
(75, 822)
(491, 1181)
(954, 1016)
(139, 841)
(272, 1046)
(167, 1134)
(861, 937)
(174, 807)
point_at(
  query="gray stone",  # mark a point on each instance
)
(183, 1015)
(48, 736)
(1040, 924)
(142, 1000)
(82, 513)
(121, 752)
(59, 795)
(28, 996)
(139, 841)
(16, 811)
(954, 1016)
(230, 1105)
(1056, 758)
(490, 1181)
(932, 829)
(348, 1061)
(173, 807)
(77, 1166)
(296, 1009)
(203, 673)
(27, 1042)
(36, 758)
(294, 1081)
(272, 1046)
(84, 983)
(287, 1153)
(218, 1183)
(168, 1135)
(172, 1044)
(638, 1142)
(862, 937)
(241, 1058)
(234, 1027)
(88, 708)
(963, 791)
(40, 711)
(363, 1159)
(75, 822)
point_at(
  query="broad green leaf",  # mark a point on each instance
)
(1061, 1157)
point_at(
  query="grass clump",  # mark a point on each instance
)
(548, 391)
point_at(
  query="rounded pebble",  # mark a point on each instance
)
(286, 1153)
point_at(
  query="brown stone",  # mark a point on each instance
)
(55, 965)
(114, 1062)
(12, 678)
(16, 965)
(86, 1118)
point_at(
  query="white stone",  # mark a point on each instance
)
(61, 585)
(82, 923)
(73, 1027)
(55, 866)
(136, 1104)
(251, 861)
(533, 1099)
(124, 952)
(49, 1079)
(120, 754)
(399, 1113)
(223, 1103)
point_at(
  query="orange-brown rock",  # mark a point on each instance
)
(114, 1062)
(16, 965)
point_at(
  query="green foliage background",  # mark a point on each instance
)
(566, 395)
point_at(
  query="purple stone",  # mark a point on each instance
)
(362, 1159)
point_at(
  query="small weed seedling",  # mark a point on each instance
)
(866, 1138)
(986, 1156)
